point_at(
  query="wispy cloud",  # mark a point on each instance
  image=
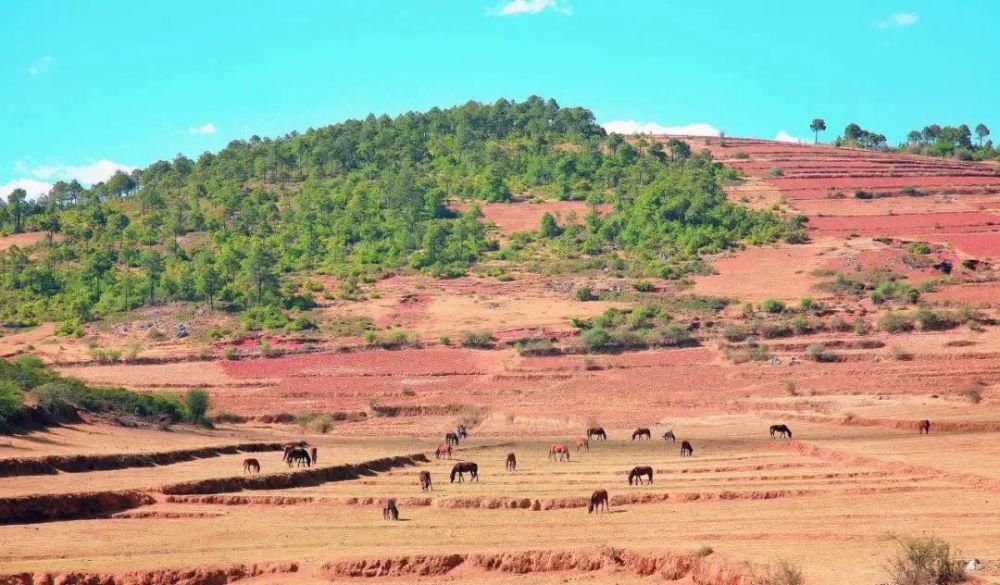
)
(518, 7)
(207, 128)
(41, 65)
(34, 188)
(899, 19)
(783, 136)
(633, 127)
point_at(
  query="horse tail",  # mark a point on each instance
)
(453, 473)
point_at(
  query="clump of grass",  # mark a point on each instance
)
(477, 339)
(973, 393)
(791, 388)
(704, 551)
(818, 353)
(781, 573)
(927, 560)
(900, 354)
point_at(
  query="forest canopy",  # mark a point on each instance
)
(242, 227)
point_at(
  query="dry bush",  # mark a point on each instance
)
(973, 393)
(925, 561)
(901, 354)
(781, 573)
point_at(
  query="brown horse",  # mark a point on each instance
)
(561, 450)
(598, 499)
(924, 427)
(638, 472)
(686, 449)
(299, 457)
(640, 433)
(451, 439)
(669, 436)
(781, 431)
(511, 462)
(582, 442)
(463, 467)
(425, 481)
(389, 509)
(313, 454)
(443, 450)
(597, 433)
(251, 466)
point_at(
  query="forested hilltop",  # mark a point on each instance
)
(243, 228)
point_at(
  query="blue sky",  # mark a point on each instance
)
(87, 87)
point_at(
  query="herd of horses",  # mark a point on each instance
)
(294, 454)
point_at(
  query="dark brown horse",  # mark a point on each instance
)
(562, 451)
(597, 433)
(669, 436)
(582, 442)
(251, 466)
(461, 431)
(451, 439)
(313, 453)
(781, 431)
(598, 499)
(425, 481)
(686, 449)
(924, 427)
(511, 462)
(389, 509)
(638, 472)
(443, 450)
(463, 467)
(299, 457)
(640, 433)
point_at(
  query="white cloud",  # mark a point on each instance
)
(783, 136)
(41, 65)
(207, 128)
(633, 127)
(88, 174)
(516, 7)
(899, 19)
(34, 188)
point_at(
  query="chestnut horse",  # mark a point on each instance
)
(251, 466)
(598, 499)
(686, 449)
(669, 436)
(511, 462)
(583, 442)
(299, 456)
(425, 481)
(638, 472)
(451, 439)
(389, 509)
(597, 433)
(781, 431)
(924, 427)
(313, 453)
(640, 433)
(561, 450)
(461, 468)
(442, 450)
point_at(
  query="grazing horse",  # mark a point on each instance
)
(597, 433)
(583, 442)
(313, 453)
(669, 436)
(451, 439)
(461, 432)
(781, 431)
(686, 449)
(640, 433)
(511, 462)
(924, 427)
(461, 468)
(442, 450)
(425, 481)
(389, 509)
(598, 499)
(299, 456)
(251, 466)
(561, 450)
(638, 472)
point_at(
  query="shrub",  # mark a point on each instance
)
(900, 354)
(973, 393)
(837, 323)
(589, 364)
(230, 353)
(740, 154)
(70, 328)
(735, 332)
(263, 317)
(598, 339)
(480, 339)
(783, 573)
(758, 352)
(670, 336)
(585, 294)
(919, 248)
(11, 399)
(105, 355)
(808, 304)
(197, 402)
(818, 353)
(862, 194)
(300, 323)
(705, 551)
(775, 330)
(776, 172)
(921, 561)
(861, 327)
(444, 340)
(536, 347)
(895, 322)
(643, 286)
(931, 320)
(773, 306)
(791, 388)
